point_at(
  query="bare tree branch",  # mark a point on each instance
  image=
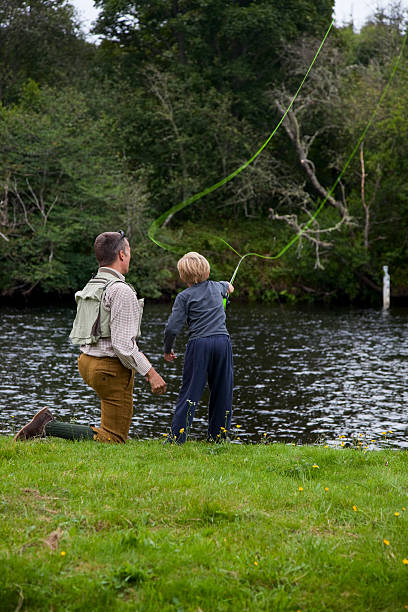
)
(158, 82)
(292, 129)
(40, 204)
(20, 199)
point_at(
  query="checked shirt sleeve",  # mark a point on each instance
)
(125, 316)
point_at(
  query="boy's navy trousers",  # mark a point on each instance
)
(206, 360)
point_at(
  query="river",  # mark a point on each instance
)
(302, 374)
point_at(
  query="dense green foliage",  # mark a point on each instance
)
(173, 97)
(147, 527)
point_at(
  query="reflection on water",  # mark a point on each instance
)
(301, 374)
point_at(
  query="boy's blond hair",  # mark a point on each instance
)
(193, 268)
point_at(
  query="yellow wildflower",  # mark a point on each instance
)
(355, 508)
(326, 488)
(405, 561)
(300, 488)
(386, 542)
(255, 562)
(315, 466)
(181, 430)
(237, 426)
(396, 513)
(63, 553)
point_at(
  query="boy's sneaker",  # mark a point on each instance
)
(36, 427)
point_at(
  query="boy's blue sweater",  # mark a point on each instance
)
(201, 307)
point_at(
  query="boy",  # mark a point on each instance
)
(208, 353)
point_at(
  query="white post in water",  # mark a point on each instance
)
(386, 289)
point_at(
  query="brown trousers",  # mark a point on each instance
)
(114, 385)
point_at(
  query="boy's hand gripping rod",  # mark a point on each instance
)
(225, 300)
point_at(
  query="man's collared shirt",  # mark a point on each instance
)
(122, 302)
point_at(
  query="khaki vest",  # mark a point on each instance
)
(92, 320)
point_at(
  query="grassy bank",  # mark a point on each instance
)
(152, 527)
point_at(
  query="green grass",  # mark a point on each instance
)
(152, 527)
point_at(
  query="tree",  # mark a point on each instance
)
(41, 40)
(62, 183)
(232, 45)
(361, 227)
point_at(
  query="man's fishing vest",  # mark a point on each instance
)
(92, 320)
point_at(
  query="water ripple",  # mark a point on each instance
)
(300, 374)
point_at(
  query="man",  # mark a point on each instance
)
(107, 327)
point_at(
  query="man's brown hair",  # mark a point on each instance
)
(108, 245)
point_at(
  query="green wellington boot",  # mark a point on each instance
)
(69, 431)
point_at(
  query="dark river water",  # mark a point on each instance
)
(301, 374)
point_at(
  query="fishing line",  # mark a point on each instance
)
(155, 226)
(160, 220)
(338, 179)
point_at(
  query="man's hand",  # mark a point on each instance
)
(157, 384)
(170, 356)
